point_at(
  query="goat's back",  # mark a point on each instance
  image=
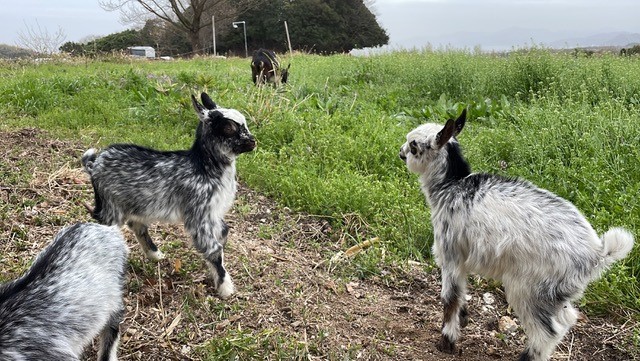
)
(266, 57)
(66, 297)
(511, 228)
(135, 165)
(135, 182)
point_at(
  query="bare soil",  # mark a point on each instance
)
(293, 297)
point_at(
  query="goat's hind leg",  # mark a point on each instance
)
(142, 235)
(211, 248)
(97, 211)
(110, 337)
(455, 315)
(545, 323)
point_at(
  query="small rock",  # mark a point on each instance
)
(468, 297)
(507, 325)
(488, 298)
(487, 309)
(352, 289)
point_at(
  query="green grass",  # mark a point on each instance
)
(268, 344)
(328, 142)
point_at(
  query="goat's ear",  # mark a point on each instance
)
(207, 102)
(446, 133)
(460, 122)
(197, 106)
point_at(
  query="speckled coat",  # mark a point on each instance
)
(537, 244)
(72, 293)
(137, 185)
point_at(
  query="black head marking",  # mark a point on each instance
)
(207, 102)
(413, 146)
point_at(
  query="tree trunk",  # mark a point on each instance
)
(194, 39)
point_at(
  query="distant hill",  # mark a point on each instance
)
(509, 38)
(14, 52)
(614, 39)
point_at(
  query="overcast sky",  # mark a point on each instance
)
(77, 18)
(409, 23)
(503, 23)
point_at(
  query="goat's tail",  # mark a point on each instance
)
(617, 243)
(88, 158)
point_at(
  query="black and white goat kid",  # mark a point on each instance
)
(195, 187)
(537, 244)
(71, 294)
(265, 68)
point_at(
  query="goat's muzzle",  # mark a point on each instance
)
(252, 143)
(402, 156)
(246, 145)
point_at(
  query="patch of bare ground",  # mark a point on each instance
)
(292, 300)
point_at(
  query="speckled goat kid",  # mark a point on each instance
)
(72, 293)
(196, 187)
(537, 244)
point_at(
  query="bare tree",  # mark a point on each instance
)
(40, 40)
(190, 16)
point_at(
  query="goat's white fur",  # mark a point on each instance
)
(539, 245)
(71, 293)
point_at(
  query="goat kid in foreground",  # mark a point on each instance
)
(71, 294)
(195, 187)
(537, 244)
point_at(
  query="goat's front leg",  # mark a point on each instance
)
(209, 240)
(454, 288)
(142, 235)
(110, 336)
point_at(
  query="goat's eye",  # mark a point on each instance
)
(229, 129)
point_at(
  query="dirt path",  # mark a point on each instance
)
(293, 302)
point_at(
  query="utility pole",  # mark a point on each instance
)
(286, 28)
(213, 29)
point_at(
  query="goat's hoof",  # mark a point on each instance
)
(156, 256)
(446, 346)
(525, 356)
(226, 288)
(464, 318)
(464, 322)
